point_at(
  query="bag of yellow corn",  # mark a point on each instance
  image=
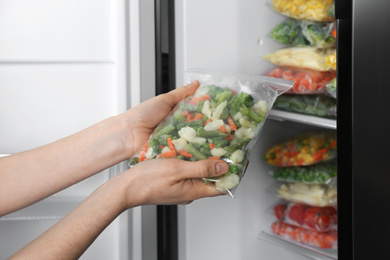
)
(314, 10)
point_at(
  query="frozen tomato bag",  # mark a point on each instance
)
(321, 219)
(306, 81)
(304, 149)
(221, 120)
(314, 10)
(327, 240)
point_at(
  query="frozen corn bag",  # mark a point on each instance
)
(315, 105)
(306, 81)
(314, 10)
(304, 58)
(304, 149)
(222, 120)
(319, 173)
(326, 240)
(321, 219)
(310, 194)
(305, 33)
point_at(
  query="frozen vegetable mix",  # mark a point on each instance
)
(321, 219)
(315, 105)
(304, 57)
(331, 88)
(222, 120)
(305, 33)
(304, 149)
(314, 10)
(320, 173)
(306, 81)
(327, 240)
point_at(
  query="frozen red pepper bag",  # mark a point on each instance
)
(222, 120)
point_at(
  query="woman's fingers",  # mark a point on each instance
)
(173, 97)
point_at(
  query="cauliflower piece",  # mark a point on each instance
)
(187, 133)
(218, 111)
(237, 156)
(165, 149)
(180, 144)
(228, 129)
(149, 153)
(202, 90)
(206, 110)
(227, 182)
(218, 152)
(246, 123)
(237, 116)
(260, 106)
(214, 125)
(245, 133)
(199, 140)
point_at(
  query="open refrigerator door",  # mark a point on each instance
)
(269, 39)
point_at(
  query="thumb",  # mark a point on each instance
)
(204, 169)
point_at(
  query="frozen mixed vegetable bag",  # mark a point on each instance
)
(304, 149)
(222, 120)
(305, 33)
(314, 10)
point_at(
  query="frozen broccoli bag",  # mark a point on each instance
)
(221, 120)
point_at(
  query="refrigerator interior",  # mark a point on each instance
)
(229, 35)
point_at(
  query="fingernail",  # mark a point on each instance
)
(193, 82)
(221, 168)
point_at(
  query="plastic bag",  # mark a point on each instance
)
(304, 58)
(331, 88)
(304, 149)
(314, 10)
(222, 120)
(305, 33)
(320, 173)
(316, 105)
(321, 219)
(309, 194)
(306, 81)
(309, 237)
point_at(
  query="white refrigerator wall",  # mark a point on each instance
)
(65, 65)
(231, 35)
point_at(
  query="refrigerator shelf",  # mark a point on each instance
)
(304, 119)
(52, 208)
(305, 250)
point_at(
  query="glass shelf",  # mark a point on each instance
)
(304, 119)
(305, 250)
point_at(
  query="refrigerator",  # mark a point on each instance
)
(67, 64)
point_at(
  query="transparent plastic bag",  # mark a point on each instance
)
(331, 88)
(305, 33)
(306, 81)
(222, 120)
(314, 10)
(316, 105)
(310, 194)
(327, 240)
(320, 173)
(304, 58)
(304, 149)
(321, 219)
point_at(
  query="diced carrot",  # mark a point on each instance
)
(195, 100)
(161, 146)
(142, 153)
(189, 117)
(170, 154)
(185, 113)
(170, 144)
(197, 117)
(222, 129)
(212, 146)
(208, 121)
(185, 153)
(231, 123)
(214, 157)
(230, 137)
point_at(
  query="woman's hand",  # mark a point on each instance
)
(170, 181)
(144, 118)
